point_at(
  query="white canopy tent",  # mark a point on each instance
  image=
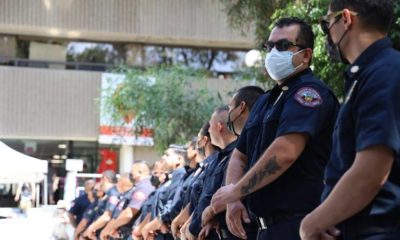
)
(17, 167)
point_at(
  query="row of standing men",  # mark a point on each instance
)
(291, 163)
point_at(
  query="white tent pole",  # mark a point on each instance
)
(37, 194)
(45, 191)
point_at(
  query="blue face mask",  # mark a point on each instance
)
(279, 64)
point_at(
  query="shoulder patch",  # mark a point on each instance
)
(113, 200)
(139, 196)
(308, 97)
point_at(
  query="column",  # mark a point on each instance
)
(126, 158)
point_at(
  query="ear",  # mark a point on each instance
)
(242, 106)
(307, 56)
(347, 18)
(220, 127)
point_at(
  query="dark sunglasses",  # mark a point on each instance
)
(281, 45)
(324, 22)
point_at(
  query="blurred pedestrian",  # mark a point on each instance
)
(80, 203)
(25, 195)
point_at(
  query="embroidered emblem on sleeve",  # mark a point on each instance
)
(308, 97)
(113, 200)
(139, 196)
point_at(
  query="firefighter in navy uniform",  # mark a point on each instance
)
(362, 191)
(281, 154)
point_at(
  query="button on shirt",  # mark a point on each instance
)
(302, 104)
(370, 116)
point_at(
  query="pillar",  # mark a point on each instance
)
(126, 158)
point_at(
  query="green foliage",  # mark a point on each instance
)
(263, 14)
(174, 101)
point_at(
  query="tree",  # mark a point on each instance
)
(263, 14)
(172, 100)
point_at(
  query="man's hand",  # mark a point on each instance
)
(185, 229)
(136, 233)
(235, 213)
(175, 227)
(90, 233)
(146, 232)
(104, 234)
(207, 216)
(205, 231)
(189, 235)
(223, 196)
(311, 231)
(164, 228)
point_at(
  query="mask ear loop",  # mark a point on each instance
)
(302, 63)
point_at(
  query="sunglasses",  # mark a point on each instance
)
(324, 22)
(280, 45)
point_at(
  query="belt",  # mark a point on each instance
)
(264, 222)
(367, 226)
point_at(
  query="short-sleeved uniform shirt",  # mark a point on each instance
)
(112, 199)
(168, 215)
(370, 116)
(143, 188)
(98, 209)
(147, 207)
(302, 104)
(215, 175)
(79, 206)
(166, 192)
(123, 200)
(196, 187)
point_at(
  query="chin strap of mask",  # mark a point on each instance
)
(334, 50)
(230, 124)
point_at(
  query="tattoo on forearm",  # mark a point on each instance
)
(271, 167)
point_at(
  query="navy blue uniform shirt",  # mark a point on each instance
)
(370, 116)
(165, 194)
(147, 207)
(196, 187)
(302, 104)
(112, 198)
(98, 210)
(123, 201)
(214, 178)
(168, 215)
(79, 206)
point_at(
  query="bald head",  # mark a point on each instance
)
(124, 182)
(139, 171)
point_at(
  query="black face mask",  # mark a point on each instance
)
(155, 181)
(230, 124)
(333, 49)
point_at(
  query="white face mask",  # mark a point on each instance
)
(279, 64)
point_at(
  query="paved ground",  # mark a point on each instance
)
(37, 224)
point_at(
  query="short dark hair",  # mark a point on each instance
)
(248, 94)
(374, 14)
(221, 109)
(204, 131)
(306, 34)
(180, 150)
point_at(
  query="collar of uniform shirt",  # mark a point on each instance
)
(367, 56)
